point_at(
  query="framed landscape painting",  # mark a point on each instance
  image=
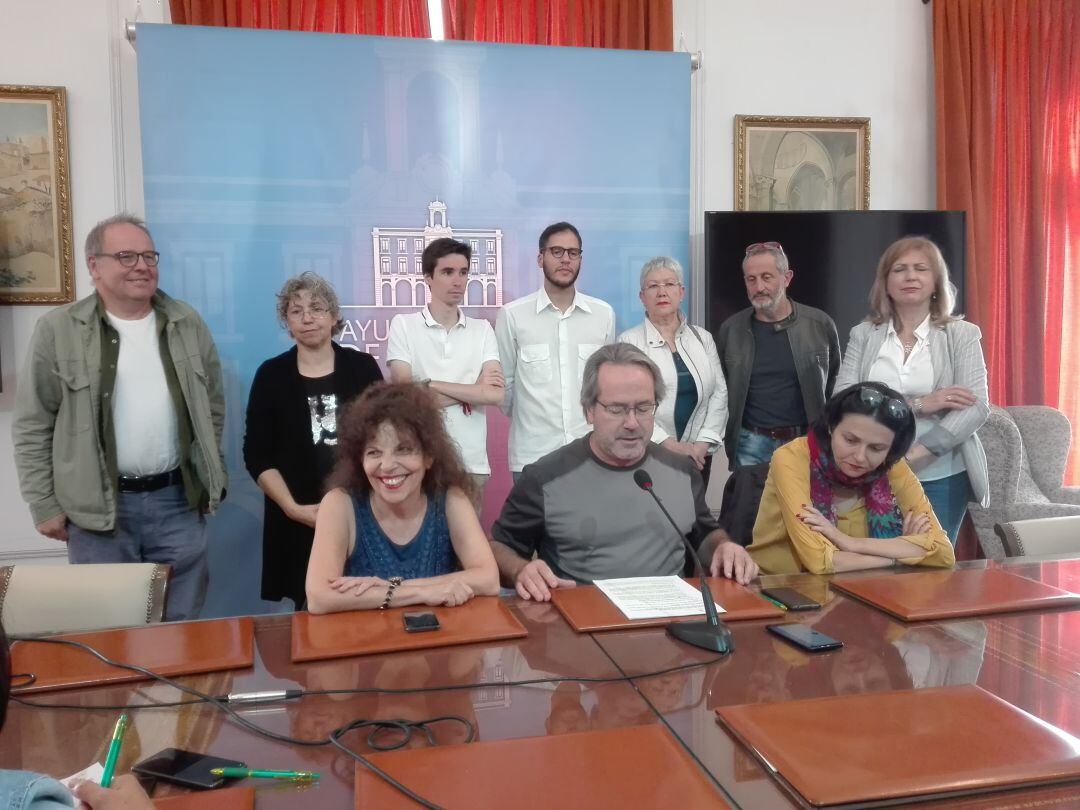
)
(802, 164)
(36, 251)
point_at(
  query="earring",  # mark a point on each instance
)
(933, 296)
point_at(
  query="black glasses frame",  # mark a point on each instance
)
(897, 408)
(642, 410)
(130, 258)
(557, 251)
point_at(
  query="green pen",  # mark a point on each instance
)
(114, 750)
(241, 773)
(780, 605)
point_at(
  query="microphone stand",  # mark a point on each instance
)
(711, 634)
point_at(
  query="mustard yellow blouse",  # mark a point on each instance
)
(785, 545)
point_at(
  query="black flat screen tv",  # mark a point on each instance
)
(833, 255)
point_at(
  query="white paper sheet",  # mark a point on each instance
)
(654, 597)
(91, 773)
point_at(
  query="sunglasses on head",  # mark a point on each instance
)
(761, 247)
(897, 408)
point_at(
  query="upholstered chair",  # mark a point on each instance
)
(1026, 448)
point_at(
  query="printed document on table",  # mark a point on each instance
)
(654, 597)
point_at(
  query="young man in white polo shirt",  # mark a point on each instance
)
(456, 356)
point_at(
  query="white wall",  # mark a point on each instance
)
(759, 57)
(828, 58)
(77, 44)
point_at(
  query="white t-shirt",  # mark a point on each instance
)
(144, 419)
(455, 356)
(915, 378)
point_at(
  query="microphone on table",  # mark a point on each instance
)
(711, 634)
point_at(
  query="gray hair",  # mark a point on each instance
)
(662, 263)
(777, 253)
(96, 238)
(619, 354)
(320, 289)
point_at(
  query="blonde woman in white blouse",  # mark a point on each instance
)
(912, 342)
(692, 417)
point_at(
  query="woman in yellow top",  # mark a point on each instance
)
(843, 498)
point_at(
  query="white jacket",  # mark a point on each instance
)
(698, 351)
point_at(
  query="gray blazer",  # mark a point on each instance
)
(957, 358)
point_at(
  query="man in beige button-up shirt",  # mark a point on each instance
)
(544, 340)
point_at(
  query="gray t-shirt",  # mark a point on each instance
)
(589, 520)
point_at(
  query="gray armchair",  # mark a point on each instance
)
(1026, 447)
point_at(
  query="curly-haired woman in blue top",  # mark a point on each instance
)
(397, 528)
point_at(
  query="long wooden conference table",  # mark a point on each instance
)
(1029, 659)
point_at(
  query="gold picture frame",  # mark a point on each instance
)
(36, 249)
(791, 163)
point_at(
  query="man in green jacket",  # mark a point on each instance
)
(118, 420)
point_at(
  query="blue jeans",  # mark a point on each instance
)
(949, 497)
(156, 527)
(753, 448)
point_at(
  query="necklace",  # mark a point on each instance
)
(908, 347)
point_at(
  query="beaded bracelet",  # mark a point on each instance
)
(394, 582)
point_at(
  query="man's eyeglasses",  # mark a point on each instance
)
(316, 311)
(666, 286)
(641, 411)
(130, 258)
(557, 252)
(897, 408)
(762, 247)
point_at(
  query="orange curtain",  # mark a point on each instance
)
(636, 24)
(395, 18)
(1007, 79)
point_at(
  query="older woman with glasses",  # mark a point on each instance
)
(292, 420)
(912, 342)
(693, 420)
(843, 499)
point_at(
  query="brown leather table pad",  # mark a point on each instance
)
(879, 746)
(632, 767)
(588, 610)
(364, 632)
(170, 649)
(234, 798)
(949, 594)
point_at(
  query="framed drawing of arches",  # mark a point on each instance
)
(802, 163)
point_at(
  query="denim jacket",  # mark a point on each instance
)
(815, 347)
(22, 790)
(59, 450)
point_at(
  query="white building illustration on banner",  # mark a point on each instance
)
(399, 280)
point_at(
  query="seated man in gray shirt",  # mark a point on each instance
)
(579, 509)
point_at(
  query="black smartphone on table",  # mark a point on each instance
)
(806, 638)
(790, 598)
(420, 622)
(186, 768)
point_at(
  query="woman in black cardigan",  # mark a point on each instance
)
(291, 436)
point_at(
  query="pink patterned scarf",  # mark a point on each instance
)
(883, 518)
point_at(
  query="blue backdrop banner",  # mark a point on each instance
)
(268, 153)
